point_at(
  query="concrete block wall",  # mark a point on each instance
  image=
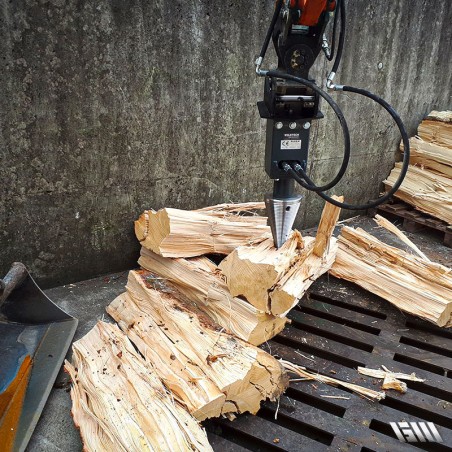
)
(111, 107)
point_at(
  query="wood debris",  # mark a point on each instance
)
(273, 280)
(384, 372)
(308, 375)
(386, 224)
(208, 370)
(119, 403)
(334, 397)
(199, 280)
(409, 282)
(391, 380)
(428, 184)
(183, 233)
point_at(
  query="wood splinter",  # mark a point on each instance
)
(391, 380)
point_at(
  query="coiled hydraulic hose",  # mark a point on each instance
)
(307, 183)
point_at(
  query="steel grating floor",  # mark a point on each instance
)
(335, 329)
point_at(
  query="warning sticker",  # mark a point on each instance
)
(291, 144)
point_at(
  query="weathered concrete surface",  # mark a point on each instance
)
(111, 107)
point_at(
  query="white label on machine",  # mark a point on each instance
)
(291, 144)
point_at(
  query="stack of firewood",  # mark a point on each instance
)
(428, 184)
(185, 345)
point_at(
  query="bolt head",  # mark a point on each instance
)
(306, 125)
(279, 125)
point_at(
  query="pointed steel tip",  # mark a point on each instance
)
(281, 216)
(278, 242)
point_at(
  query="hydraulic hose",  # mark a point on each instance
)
(308, 185)
(333, 39)
(406, 159)
(270, 29)
(340, 47)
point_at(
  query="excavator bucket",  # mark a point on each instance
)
(35, 335)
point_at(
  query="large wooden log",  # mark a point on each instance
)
(427, 191)
(215, 229)
(120, 404)
(273, 280)
(207, 369)
(199, 280)
(437, 128)
(414, 285)
(252, 270)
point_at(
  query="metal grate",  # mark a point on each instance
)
(335, 329)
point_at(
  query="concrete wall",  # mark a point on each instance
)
(111, 107)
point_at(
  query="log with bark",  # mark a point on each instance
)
(427, 191)
(215, 229)
(210, 371)
(414, 285)
(200, 281)
(273, 280)
(120, 404)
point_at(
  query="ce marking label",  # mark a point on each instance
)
(291, 144)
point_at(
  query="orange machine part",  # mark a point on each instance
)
(311, 10)
(11, 401)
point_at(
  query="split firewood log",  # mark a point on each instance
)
(273, 280)
(411, 283)
(208, 370)
(216, 229)
(200, 281)
(437, 128)
(120, 404)
(431, 156)
(426, 190)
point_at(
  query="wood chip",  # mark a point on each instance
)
(378, 373)
(360, 390)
